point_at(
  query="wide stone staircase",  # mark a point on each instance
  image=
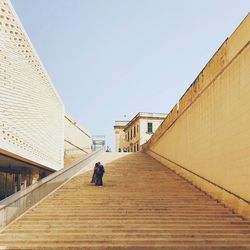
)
(143, 205)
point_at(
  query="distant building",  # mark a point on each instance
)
(120, 135)
(131, 135)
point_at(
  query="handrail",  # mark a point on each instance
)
(201, 177)
(16, 204)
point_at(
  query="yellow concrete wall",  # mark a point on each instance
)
(208, 131)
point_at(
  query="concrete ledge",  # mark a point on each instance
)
(15, 205)
(238, 205)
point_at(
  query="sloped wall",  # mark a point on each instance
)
(77, 141)
(208, 131)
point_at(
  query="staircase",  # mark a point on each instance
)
(143, 205)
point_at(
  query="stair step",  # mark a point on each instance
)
(143, 205)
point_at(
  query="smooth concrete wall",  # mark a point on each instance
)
(207, 132)
(77, 141)
(31, 112)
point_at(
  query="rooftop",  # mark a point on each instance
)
(147, 115)
(121, 123)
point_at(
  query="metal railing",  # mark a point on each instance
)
(16, 204)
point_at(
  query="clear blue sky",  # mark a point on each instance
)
(110, 58)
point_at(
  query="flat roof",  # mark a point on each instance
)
(147, 115)
(120, 123)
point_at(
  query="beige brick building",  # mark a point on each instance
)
(131, 135)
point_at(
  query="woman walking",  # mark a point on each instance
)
(94, 176)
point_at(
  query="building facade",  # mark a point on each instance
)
(136, 132)
(120, 135)
(31, 111)
(77, 140)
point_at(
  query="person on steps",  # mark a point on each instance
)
(94, 173)
(99, 175)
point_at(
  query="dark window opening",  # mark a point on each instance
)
(150, 127)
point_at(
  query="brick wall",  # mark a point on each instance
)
(31, 112)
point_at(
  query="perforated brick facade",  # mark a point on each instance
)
(31, 112)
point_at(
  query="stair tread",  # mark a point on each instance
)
(143, 205)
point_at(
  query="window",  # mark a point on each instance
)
(131, 133)
(134, 148)
(150, 127)
(128, 135)
(137, 147)
(134, 131)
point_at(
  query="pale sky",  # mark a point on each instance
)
(110, 58)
